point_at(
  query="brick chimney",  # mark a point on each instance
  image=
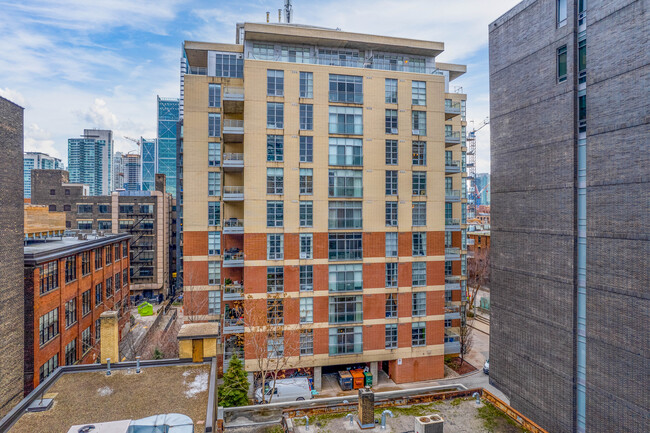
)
(110, 337)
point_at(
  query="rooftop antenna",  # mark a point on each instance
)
(288, 10)
(279, 15)
(268, 14)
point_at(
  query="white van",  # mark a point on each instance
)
(295, 389)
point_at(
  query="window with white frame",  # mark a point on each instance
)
(274, 213)
(346, 88)
(391, 182)
(345, 215)
(306, 213)
(344, 341)
(274, 246)
(306, 181)
(391, 91)
(274, 279)
(214, 95)
(263, 51)
(419, 304)
(391, 305)
(296, 54)
(275, 347)
(419, 183)
(275, 311)
(306, 117)
(275, 180)
(419, 121)
(391, 214)
(345, 183)
(346, 120)
(345, 151)
(214, 125)
(345, 246)
(391, 152)
(214, 183)
(419, 149)
(419, 92)
(214, 213)
(419, 244)
(306, 84)
(306, 245)
(391, 336)
(391, 244)
(391, 122)
(214, 243)
(274, 115)
(419, 274)
(306, 148)
(214, 273)
(214, 154)
(419, 213)
(274, 82)
(344, 278)
(306, 342)
(345, 309)
(418, 334)
(391, 274)
(306, 278)
(306, 310)
(214, 302)
(448, 239)
(275, 148)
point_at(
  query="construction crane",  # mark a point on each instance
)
(138, 142)
(471, 168)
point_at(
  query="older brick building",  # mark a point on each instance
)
(69, 282)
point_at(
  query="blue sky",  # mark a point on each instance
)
(75, 64)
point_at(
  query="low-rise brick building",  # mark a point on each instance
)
(69, 283)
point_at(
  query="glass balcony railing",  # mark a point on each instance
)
(452, 137)
(233, 93)
(346, 128)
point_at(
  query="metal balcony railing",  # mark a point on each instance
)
(233, 189)
(197, 70)
(233, 157)
(233, 256)
(452, 221)
(452, 251)
(233, 123)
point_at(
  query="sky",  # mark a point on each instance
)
(76, 64)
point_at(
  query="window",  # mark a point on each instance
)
(214, 243)
(561, 64)
(306, 213)
(419, 304)
(306, 149)
(391, 244)
(391, 306)
(419, 153)
(214, 95)
(70, 312)
(275, 346)
(338, 57)
(84, 208)
(391, 336)
(125, 249)
(125, 224)
(214, 273)
(418, 334)
(274, 214)
(419, 243)
(419, 183)
(275, 311)
(85, 263)
(582, 58)
(345, 215)
(582, 110)
(274, 180)
(391, 91)
(52, 208)
(48, 326)
(49, 273)
(99, 294)
(295, 54)
(214, 154)
(214, 302)
(391, 182)
(108, 255)
(345, 309)
(346, 88)
(125, 277)
(345, 151)
(346, 120)
(391, 275)
(306, 117)
(391, 152)
(419, 122)
(274, 115)
(274, 83)
(229, 65)
(214, 183)
(306, 310)
(391, 121)
(98, 258)
(126, 208)
(419, 93)
(214, 125)
(419, 274)
(49, 367)
(275, 148)
(345, 246)
(84, 224)
(67, 208)
(274, 246)
(306, 181)
(306, 245)
(448, 323)
(306, 342)
(561, 12)
(345, 340)
(214, 213)
(263, 51)
(448, 267)
(116, 252)
(98, 332)
(419, 213)
(306, 278)
(52, 192)
(71, 352)
(109, 287)
(391, 214)
(306, 84)
(346, 183)
(104, 208)
(86, 341)
(345, 278)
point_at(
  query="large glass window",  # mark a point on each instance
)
(391, 306)
(419, 92)
(346, 183)
(391, 274)
(229, 65)
(214, 302)
(345, 246)
(214, 183)
(274, 115)
(306, 310)
(344, 278)
(274, 213)
(84, 208)
(214, 125)
(48, 367)
(391, 152)
(214, 243)
(306, 181)
(214, 213)
(306, 148)
(345, 151)
(391, 214)
(274, 246)
(306, 245)
(274, 279)
(561, 63)
(306, 117)
(391, 122)
(582, 58)
(419, 304)
(275, 180)
(306, 213)
(419, 214)
(306, 278)
(419, 183)
(214, 95)
(345, 309)
(346, 88)
(295, 54)
(214, 273)
(306, 342)
(50, 276)
(306, 84)
(275, 148)
(418, 334)
(391, 91)
(419, 271)
(339, 57)
(391, 244)
(48, 326)
(263, 51)
(345, 215)
(346, 120)
(419, 243)
(419, 122)
(561, 12)
(344, 341)
(391, 182)
(419, 149)
(391, 336)
(274, 83)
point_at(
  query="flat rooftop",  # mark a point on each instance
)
(53, 248)
(92, 397)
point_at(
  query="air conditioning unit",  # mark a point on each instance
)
(393, 130)
(304, 255)
(428, 424)
(416, 132)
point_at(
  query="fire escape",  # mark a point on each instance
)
(142, 246)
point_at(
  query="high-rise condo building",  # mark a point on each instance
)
(322, 189)
(570, 246)
(118, 171)
(132, 172)
(168, 116)
(90, 160)
(37, 160)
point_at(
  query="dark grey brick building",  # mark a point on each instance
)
(570, 299)
(11, 255)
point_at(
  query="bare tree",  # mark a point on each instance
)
(193, 304)
(465, 339)
(478, 273)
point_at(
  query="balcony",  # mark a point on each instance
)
(233, 193)
(470, 241)
(197, 70)
(233, 100)
(233, 161)
(452, 342)
(233, 131)
(233, 258)
(452, 109)
(233, 226)
(452, 138)
(452, 167)
(452, 278)
(452, 224)
(452, 312)
(452, 195)
(233, 325)
(452, 286)
(452, 253)
(233, 292)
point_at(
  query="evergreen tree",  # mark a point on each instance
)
(234, 391)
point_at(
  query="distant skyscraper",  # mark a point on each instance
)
(483, 187)
(149, 164)
(90, 160)
(132, 172)
(168, 116)
(118, 171)
(37, 160)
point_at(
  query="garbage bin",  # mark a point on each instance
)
(345, 380)
(357, 379)
(368, 377)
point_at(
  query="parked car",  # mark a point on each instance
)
(294, 389)
(486, 367)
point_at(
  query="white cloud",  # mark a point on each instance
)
(13, 95)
